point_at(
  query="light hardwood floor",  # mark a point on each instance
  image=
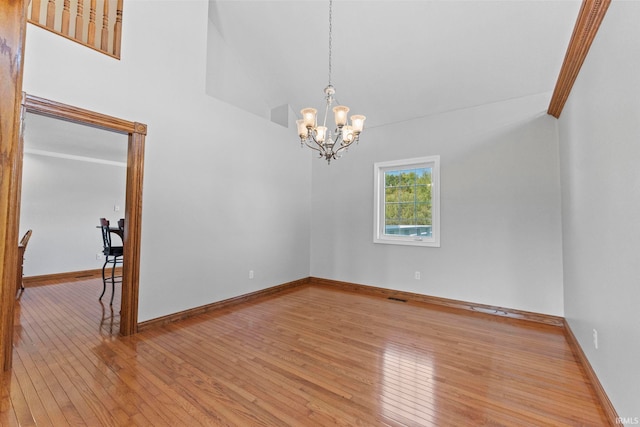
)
(311, 356)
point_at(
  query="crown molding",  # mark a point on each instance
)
(591, 14)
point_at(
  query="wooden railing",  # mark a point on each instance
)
(56, 16)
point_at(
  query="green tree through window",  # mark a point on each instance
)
(407, 203)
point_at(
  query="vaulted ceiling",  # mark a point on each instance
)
(394, 60)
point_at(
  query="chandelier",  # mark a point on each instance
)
(329, 144)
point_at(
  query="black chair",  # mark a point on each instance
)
(22, 247)
(112, 255)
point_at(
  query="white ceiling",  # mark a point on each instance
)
(59, 138)
(395, 60)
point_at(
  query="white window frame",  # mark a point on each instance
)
(379, 170)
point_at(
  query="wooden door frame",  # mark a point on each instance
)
(13, 106)
(133, 211)
(13, 22)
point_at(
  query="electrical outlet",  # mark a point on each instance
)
(99, 256)
(417, 275)
(250, 274)
(595, 338)
(116, 208)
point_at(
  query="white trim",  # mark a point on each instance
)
(379, 195)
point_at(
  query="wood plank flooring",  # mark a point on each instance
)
(312, 356)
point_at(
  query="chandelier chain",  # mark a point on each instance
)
(330, 37)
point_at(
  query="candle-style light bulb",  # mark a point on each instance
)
(357, 122)
(340, 112)
(321, 132)
(309, 117)
(302, 129)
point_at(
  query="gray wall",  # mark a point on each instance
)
(62, 201)
(225, 191)
(600, 151)
(500, 214)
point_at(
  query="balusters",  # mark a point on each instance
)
(117, 30)
(104, 36)
(79, 20)
(57, 18)
(66, 14)
(51, 13)
(35, 10)
(91, 36)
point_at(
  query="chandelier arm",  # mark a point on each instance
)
(342, 147)
(321, 147)
(305, 142)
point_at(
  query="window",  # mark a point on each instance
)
(407, 202)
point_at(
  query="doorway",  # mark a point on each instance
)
(136, 133)
(72, 175)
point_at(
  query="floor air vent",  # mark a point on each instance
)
(397, 299)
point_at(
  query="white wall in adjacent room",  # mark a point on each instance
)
(62, 202)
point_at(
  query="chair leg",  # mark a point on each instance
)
(104, 280)
(113, 279)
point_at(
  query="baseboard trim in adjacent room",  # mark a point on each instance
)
(606, 404)
(182, 315)
(409, 296)
(69, 276)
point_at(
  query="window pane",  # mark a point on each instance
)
(391, 214)
(405, 194)
(408, 202)
(391, 194)
(423, 213)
